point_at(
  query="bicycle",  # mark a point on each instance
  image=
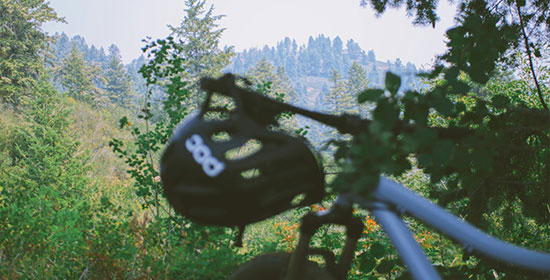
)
(198, 193)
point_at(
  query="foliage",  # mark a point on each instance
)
(316, 59)
(118, 84)
(279, 82)
(77, 77)
(357, 79)
(198, 37)
(484, 148)
(80, 69)
(21, 47)
(176, 64)
(476, 141)
(43, 214)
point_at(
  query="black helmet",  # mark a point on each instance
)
(205, 183)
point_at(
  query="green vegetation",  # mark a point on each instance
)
(20, 47)
(80, 195)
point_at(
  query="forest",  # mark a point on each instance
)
(81, 136)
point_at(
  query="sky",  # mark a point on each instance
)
(255, 23)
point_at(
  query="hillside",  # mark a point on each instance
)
(308, 67)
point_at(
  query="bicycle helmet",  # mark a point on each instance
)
(203, 181)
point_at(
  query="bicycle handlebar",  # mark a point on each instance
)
(264, 109)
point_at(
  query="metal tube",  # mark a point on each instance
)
(410, 252)
(471, 238)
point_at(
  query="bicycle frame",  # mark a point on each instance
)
(389, 201)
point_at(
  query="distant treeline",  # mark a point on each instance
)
(319, 57)
(113, 74)
(308, 67)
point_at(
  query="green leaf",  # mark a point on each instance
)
(461, 87)
(123, 122)
(377, 250)
(386, 113)
(443, 105)
(452, 73)
(482, 160)
(442, 152)
(372, 94)
(418, 140)
(478, 74)
(500, 101)
(367, 264)
(393, 83)
(385, 266)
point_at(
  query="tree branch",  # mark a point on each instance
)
(526, 40)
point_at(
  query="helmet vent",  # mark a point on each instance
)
(221, 136)
(251, 173)
(220, 114)
(220, 100)
(249, 148)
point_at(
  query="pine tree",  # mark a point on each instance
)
(199, 36)
(371, 56)
(138, 82)
(42, 201)
(118, 84)
(374, 77)
(77, 77)
(279, 83)
(358, 82)
(354, 51)
(357, 79)
(339, 100)
(21, 44)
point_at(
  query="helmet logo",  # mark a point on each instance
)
(203, 156)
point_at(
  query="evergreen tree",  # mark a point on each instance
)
(80, 43)
(138, 82)
(337, 45)
(279, 82)
(21, 44)
(42, 209)
(371, 56)
(291, 67)
(315, 63)
(374, 77)
(358, 82)
(199, 37)
(61, 48)
(339, 100)
(77, 77)
(357, 79)
(92, 55)
(101, 57)
(398, 65)
(303, 62)
(118, 84)
(354, 50)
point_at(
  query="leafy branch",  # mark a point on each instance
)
(528, 49)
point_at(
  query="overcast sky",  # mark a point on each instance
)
(255, 23)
